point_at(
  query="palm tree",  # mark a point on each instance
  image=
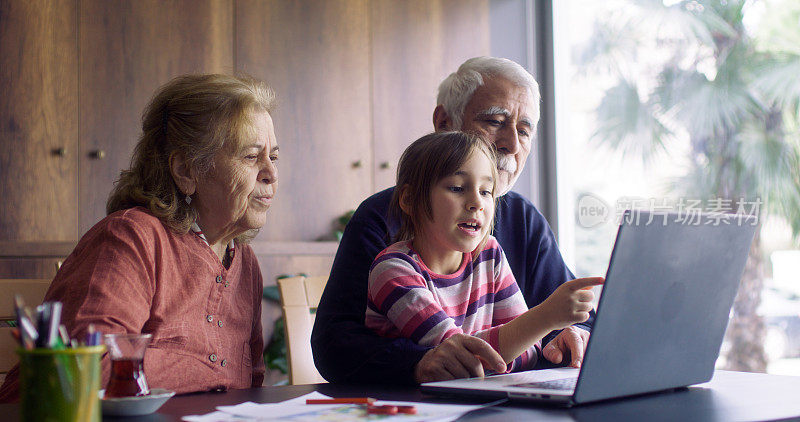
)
(694, 70)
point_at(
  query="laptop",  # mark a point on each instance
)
(661, 316)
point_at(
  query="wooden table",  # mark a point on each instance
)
(730, 396)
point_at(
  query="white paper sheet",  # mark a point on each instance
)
(297, 410)
(216, 417)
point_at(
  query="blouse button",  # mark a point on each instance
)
(219, 279)
(219, 322)
(224, 362)
(210, 318)
(212, 357)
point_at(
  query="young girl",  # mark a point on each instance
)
(447, 274)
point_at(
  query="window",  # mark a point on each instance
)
(686, 103)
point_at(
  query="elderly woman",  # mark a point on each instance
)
(171, 258)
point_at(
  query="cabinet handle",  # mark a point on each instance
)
(385, 165)
(97, 154)
(60, 151)
(357, 164)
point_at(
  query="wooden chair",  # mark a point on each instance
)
(32, 291)
(299, 299)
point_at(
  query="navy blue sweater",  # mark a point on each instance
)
(345, 350)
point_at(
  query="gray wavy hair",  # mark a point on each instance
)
(194, 115)
(457, 89)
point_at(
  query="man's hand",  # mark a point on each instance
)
(460, 356)
(571, 339)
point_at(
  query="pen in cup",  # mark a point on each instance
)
(42, 321)
(92, 336)
(52, 325)
(63, 335)
(27, 332)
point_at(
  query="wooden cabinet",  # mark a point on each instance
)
(38, 121)
(356, 83)
(417, 44)
(127, 50)
(315, 55)
(75, 76)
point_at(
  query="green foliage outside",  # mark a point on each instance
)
(724, 75)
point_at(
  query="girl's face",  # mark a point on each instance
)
(463, 208)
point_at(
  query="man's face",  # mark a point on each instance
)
(503, 113)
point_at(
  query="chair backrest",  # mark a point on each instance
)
(32, 291)
(299, 299)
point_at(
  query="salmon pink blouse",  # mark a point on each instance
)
(132, 274)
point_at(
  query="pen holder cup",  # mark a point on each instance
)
(60, 385)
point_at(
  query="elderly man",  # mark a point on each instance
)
(498, 100)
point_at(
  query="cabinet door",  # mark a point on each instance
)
(38, 123)
(127, 50)
(415, 45)
(315, 55)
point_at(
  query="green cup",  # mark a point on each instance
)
(60, 385)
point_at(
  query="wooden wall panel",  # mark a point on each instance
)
(38, 105)
(315, 55)
(127, 50)
(32, 259)
(273, 266)
(24, 267)
(415, 45)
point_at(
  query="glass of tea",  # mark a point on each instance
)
(127, 364)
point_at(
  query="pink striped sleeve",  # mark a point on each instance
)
(398, 297)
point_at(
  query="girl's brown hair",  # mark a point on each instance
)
(423, 164)
(195, 116)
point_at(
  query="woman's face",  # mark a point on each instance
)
(235, 194)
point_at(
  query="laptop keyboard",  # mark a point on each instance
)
(558, 384)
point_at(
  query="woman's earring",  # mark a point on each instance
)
(188, 199)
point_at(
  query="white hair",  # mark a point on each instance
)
(457, 89)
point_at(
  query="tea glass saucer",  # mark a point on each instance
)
(135, 406)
